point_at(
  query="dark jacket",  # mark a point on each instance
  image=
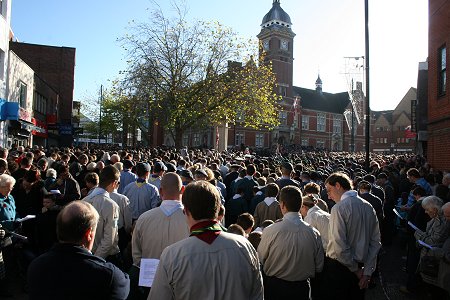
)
(72, 272)
(70, 190)
(376, 203)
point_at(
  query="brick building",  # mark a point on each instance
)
(438, 94)
(391, 129)
(310, 118)
(55, 66)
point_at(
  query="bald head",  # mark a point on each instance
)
(75, 221)
(446, 210)
(171, 187)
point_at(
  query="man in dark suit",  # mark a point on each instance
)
(247, 183)
(365, 192)
(286, 171)
(75, 273)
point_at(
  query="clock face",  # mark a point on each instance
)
(284, 44)
(266, 45)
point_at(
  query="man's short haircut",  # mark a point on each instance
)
(92, 178)
(365, 185)
(251, 170)
(171, 183)
(419, 191)
(370, 178)
(272, 190)
(25, 162)
(382, 176)
(202, 200)
(108, 175)
(291, 196)
(261, 181)
(267, 223)
(340, 178)
(74, 220)
(255, 238)
(312, 188)
(246, 221)
(32, 175)
(236, 229)
(413, 172)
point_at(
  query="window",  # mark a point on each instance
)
(321, 122)
(283, 118)
(2, 65)
(259, 140)
(305, 122)
(22, 94)
(3, 8)
(442, 69)
(196, 140)
(305, 142)
(282, 89)
(185, 140)
(239, 138)
(337, 124)
(40, 103)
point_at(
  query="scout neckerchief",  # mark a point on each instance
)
(207, 231)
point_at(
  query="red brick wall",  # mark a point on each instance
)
(56, 65)
(438, 106)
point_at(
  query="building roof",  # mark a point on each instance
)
(276, 13)
(387, 114)
(318, 81)
(321, 101)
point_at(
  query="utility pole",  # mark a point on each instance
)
(100, 114)
(366, 10)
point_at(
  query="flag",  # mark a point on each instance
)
(408, 133)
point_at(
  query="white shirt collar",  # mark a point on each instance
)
(269, 200)
(349, 194)
(169, 207)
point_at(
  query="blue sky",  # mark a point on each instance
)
(326, 32)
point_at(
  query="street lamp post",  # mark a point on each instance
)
(366, 14)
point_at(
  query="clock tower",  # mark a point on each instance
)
(277, 43)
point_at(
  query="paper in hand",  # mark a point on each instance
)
(147, 271)
(413, 226)
(424, 244)
(28, 217)
(397, 213)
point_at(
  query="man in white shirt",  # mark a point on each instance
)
(159, 227)
(354, 242)
(316, 217)
(291, 251)
(210, 263)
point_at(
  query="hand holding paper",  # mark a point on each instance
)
(397, 213)
(147, 271)
(28, 217)
(424, 244)
(413, 226)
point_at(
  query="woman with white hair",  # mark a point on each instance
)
(8, 216)
(7, 204)
(437, 228)
(437, 232)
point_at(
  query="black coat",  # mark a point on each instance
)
(72, 272)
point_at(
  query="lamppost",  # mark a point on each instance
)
(366, 15)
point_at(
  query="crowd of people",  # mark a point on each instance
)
(219, 225)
